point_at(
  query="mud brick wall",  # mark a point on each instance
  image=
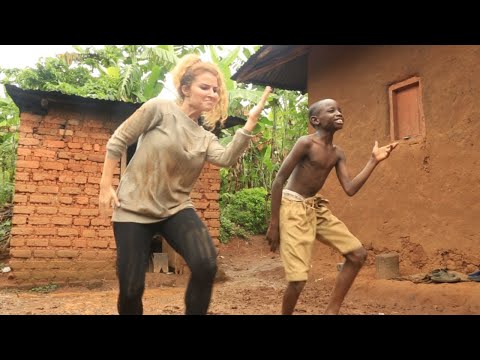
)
(57, 234)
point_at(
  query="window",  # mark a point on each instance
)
(406, 112)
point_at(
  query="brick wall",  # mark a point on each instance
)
(57, 235)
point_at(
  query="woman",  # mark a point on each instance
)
(153, 196)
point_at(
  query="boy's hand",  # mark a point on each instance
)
(382, 153)
(273, 237)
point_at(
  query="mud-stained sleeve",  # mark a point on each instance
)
(141, 121)
(227, 156)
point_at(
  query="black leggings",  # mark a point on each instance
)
(188, 236)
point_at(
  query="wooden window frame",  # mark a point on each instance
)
(394, 88)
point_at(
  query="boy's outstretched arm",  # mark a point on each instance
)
(255, 112)
(352, 186)
(294, 157)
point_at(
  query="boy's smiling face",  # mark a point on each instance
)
(328, 115)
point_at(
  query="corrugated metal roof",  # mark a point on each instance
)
(281, 66)
(36, 101)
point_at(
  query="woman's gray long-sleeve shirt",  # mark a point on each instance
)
(171, 152)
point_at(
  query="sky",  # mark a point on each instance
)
(21, 56)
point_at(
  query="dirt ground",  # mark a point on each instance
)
(253, 283)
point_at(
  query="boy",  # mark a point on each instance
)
(300, 215)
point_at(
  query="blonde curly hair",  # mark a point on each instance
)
(187, 69)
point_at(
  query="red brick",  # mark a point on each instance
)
(89, 212)
(65, 132)
(212, 196)
(67, 232)
(101, 221)
(80, 179)
(17, 198)
(49, 189)
(38, 220)
(43, 176)
(54, 144)
(22, 176)
(37, 242)
(94, 180)
(96, 158)
(59, 264)
(89, 254)
(75, 168)
(195, 195)
(66, 178)
(49, 165)
(29, 117)
(98, 244)
(35, 264)
(211, 214)
(60, 242)
(71, 190)
(82, 200)
(17, 242)
(46, 210)
(44, 199)
(65, 155)
(20, 253)
(24, 151)
(19, 187)
(92, 191)
(57, 220)
(19, 220)
(46, 131)
(88, 233)
(105, 233)
(213, 224)
(28, 164)
(25, 129)
(81, 222)
(21, 230)
(201, 205)
(28, 141)
(79, 243)
(67, 253)
(73, 145)
(91, 168)
(215, 187)
(45, 231)
(69, 210)
(20, 209)
(65, 199)
(44, 153)
(80, 157)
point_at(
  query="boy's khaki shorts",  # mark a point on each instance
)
(301, 221)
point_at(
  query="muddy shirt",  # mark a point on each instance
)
(170, 155)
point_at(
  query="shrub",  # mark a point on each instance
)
(245, 212)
